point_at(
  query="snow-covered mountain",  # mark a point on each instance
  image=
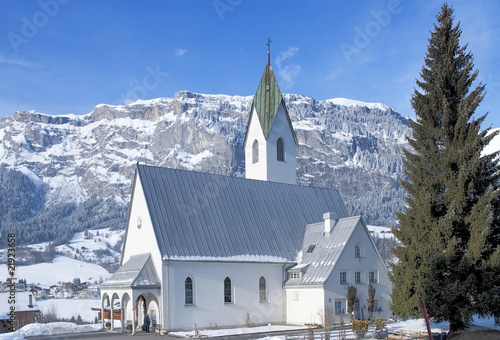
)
(62, 174)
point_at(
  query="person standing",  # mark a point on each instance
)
(146, 322)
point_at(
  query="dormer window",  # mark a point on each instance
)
(311, 248)
(294, 275)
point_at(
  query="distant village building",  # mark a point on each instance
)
(39, 292)
(208, 250)
(25, 310)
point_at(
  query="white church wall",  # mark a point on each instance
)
(368, 262)
(209, 308)
(281, 171)
(304, 306)
(268, 168)
(140, 236)
(255, 170)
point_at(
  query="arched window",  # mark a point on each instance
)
(280, 150)
(262, 289)
(255, 151)
(228, 296)
(188, 291)
(358, 251)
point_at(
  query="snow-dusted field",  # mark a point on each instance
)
(66, 308)
(79, 259)
(60, 269)
(98, 247)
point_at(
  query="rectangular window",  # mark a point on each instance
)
(294, 275)
(343, 278)
(376, 305)
(338, 306)
(373, 276)
(357, 277)
(295, 296)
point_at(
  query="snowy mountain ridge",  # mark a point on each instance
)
(77, 170)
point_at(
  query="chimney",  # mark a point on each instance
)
(30, 301)
(330, 220)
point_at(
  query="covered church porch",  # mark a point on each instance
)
(129, 294)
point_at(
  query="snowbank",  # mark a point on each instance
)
(37, 329)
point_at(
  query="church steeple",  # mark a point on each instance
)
(270, 140)
(268, 97)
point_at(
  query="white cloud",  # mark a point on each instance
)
(180, 51)
(17, 62)
(285, 55)
(287, 73)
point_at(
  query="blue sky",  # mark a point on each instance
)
(66, 56)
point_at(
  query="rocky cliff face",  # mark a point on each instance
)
(80, 168)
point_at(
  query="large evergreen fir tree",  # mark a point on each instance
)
(449, 229)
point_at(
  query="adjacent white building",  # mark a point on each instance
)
(204, 250)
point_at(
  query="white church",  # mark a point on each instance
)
(204, 250)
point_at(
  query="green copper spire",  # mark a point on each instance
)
(267, 98)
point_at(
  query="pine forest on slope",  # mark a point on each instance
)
(63, 174)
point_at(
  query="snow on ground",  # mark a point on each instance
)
(37, 329)
(97, 247)
(60, 269)
(66, 308)
(410, 325)
(67, 328)
(238, 331)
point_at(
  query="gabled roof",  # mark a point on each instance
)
(320, 262)
(201, 216)
(267, 101)
(138, 271)
(21, 304)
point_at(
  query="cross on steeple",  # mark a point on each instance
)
(268, 51)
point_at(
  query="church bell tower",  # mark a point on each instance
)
(270, 141)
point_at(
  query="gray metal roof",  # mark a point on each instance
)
(317, 265)
(138, 271)
(201, 215)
